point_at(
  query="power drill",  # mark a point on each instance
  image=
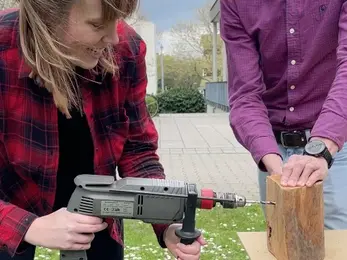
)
(144, 199)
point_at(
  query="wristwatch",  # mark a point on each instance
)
(318, 148)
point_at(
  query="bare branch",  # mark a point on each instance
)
(4, 4)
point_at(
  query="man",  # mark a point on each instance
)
(72, 101)
(288, 92)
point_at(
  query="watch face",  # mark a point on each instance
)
(315, 147)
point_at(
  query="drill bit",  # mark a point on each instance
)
(261, 202)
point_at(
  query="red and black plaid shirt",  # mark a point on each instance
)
(122, 131)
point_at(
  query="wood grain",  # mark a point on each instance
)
(295, 225)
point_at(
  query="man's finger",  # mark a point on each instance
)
(286, 172)
(308, 170)
(296, 172)
(314, 177)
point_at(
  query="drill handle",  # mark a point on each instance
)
(187, 236)
(187, 241)
(73, 255)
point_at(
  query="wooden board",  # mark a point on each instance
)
(295, 225)
(255, 244)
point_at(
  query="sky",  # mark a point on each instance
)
(166, 13)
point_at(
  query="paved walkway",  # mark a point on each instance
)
(201, 148)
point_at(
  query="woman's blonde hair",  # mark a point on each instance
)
(44, 53)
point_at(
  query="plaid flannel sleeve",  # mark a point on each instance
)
(139, 158)
(14, 221)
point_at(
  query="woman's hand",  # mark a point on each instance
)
(181, 251)
(64, 230)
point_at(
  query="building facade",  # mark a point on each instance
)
(147, 30)
(215, 18)
(216, 92)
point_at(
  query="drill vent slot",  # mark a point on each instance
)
(86, 205)
(140, 204)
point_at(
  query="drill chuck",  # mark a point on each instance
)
(230, 200)
(209, 199)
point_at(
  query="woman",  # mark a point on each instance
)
(72, 101)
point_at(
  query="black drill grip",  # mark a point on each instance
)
(187, 236)
(73, 255)
(187, 241)
(188, 233)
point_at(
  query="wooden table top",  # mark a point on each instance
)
(255, 244)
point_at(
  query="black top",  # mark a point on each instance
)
(76, 157)
(76, 154)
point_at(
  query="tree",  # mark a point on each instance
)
(178, 72)
(194, 43)
(7, 4)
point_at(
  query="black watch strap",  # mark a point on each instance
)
(325, 154)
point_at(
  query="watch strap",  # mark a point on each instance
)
(325, 154)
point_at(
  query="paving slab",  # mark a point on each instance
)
(202, 148)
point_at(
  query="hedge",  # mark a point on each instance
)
(152, 105)
(181, 100)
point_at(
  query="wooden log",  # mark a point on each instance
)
(295, 225)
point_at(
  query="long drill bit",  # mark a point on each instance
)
(261, 202)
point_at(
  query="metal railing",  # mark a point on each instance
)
(216, 95)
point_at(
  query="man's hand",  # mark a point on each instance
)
(301, 170)
(273, 163)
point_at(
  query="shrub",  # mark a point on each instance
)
(152, 105)
(181, 100)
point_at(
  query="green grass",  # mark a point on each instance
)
(219, 227)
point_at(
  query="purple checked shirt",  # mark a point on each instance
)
(287, 69)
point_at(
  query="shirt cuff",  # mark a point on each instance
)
(330, 127)
(262, 146)
(159, 230)
(13, 229)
